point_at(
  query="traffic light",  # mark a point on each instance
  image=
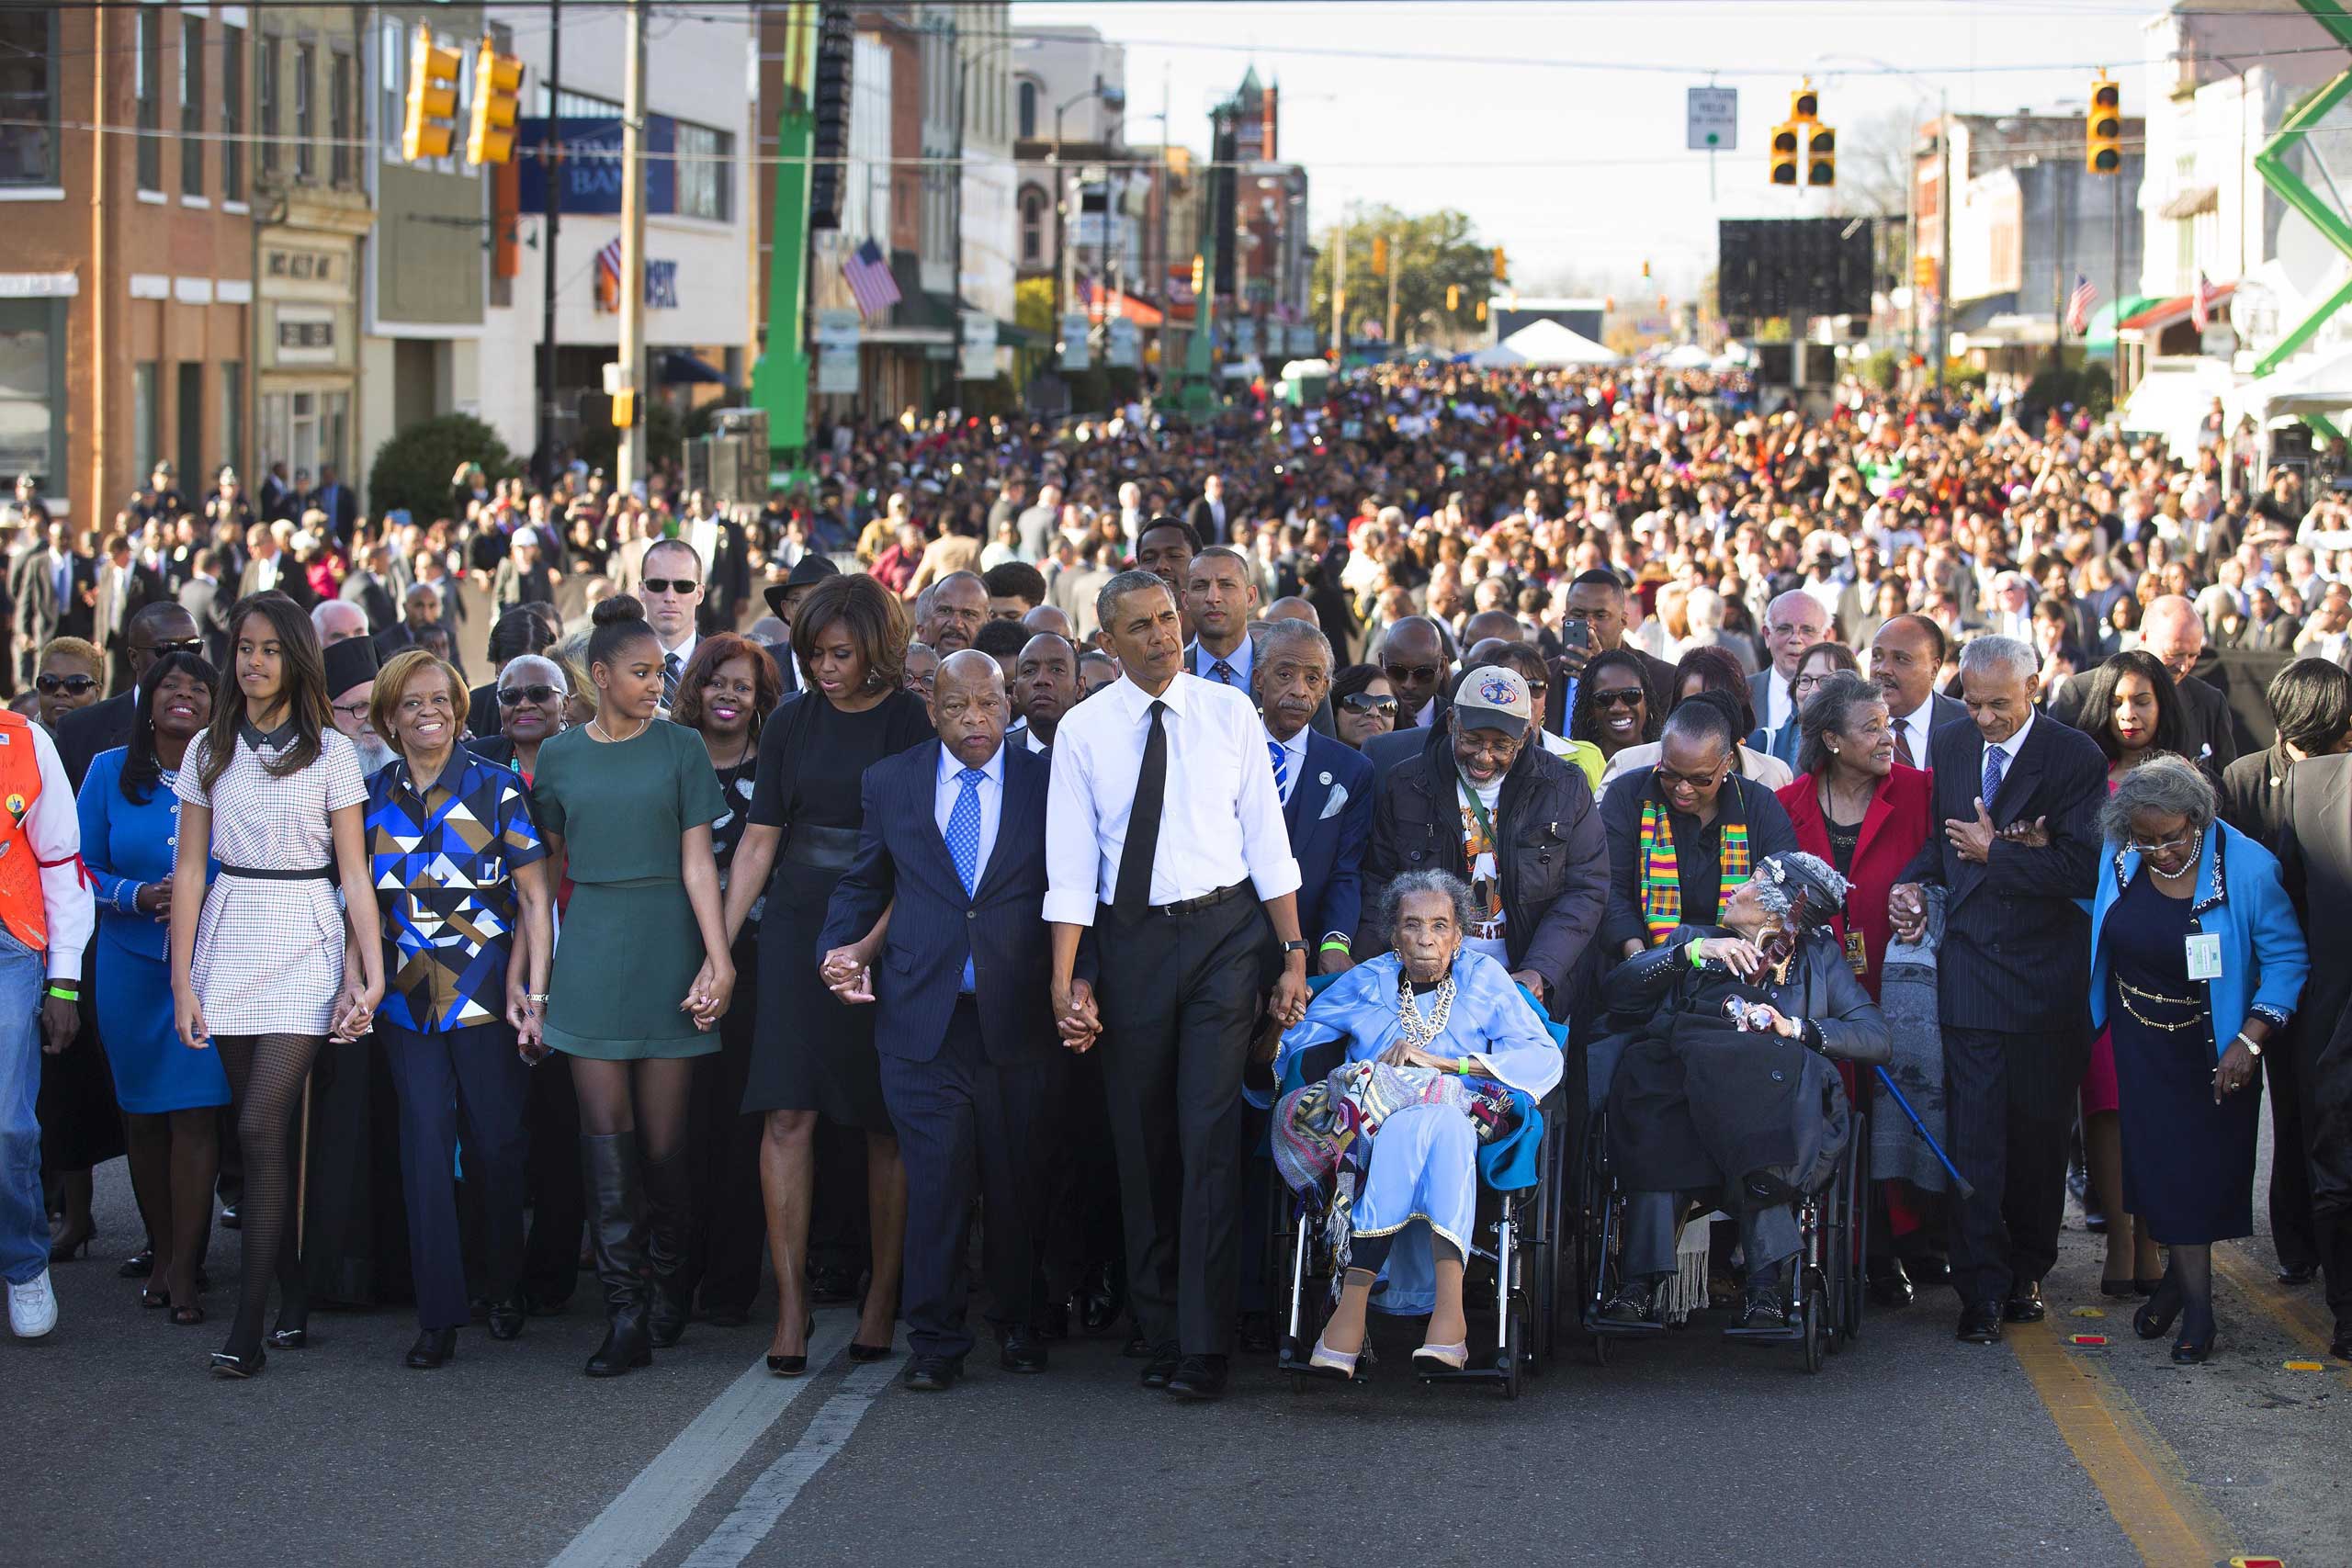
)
(1379, 256)
(1452, 298)
(432, 121)
(1482, 312)
(2103, 128)
(498, 82)
(1804, 103)
(1923, 272)
(1786, 138)
(1502, 266)
(1820, 155)
(1200, 274)
(1646, 270)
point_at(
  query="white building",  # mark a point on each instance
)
(701, 87)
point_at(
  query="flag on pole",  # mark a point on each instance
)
(608, 276)
(867, 272)
(2079, 305)
(2200, 302)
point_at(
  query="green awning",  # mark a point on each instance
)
(2100, 338)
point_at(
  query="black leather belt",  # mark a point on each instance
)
(826, 848)
(280, 874)
(1205, 901)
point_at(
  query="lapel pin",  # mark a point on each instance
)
(1323, 778)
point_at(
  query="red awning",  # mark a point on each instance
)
(1142, 312)
(2157, 317)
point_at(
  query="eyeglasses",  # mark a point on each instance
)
(671, 585)
(1620, 698)
(1668, 778)
(1369, 703)
(516, 696)
(2146, 851)
(74, 685)
(355, 712)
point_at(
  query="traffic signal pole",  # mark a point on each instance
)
(631, 464)
(550, 175)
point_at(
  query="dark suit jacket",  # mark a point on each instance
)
(1330, 815)
(342, 507)
(2012, 925)
(210, 607)
(1387, 752)
(290, 580)
(2254, 794)
(1203, 521)
(785, 666)
(367, 590)
(145, 587)
(2315, 862)
(934, 925)
(85, 732)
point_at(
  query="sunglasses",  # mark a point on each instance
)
(183, 645)
(76, 685)
(1367, 702)
(671, 585)
(1413, 673)
(516, 696)
(1623, 698)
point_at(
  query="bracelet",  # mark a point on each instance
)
(63, 992)
(1691, 951)
(541, 998)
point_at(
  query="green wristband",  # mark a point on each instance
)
(1334, 944)
(65, 993)
(1691, 951)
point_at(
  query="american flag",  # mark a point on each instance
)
(608, 276)
(867, 272)
(2200, 302)
(2079, 304)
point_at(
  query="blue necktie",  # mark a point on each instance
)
(1997, 763)
(964, 844)
(1281, 755)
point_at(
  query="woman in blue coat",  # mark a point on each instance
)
(170, 1094)
(2190, 931)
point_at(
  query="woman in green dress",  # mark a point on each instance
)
(641, 972)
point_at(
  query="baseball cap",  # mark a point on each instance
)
(1491, 697)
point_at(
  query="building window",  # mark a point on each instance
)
(149, 68)
(1033, 226)
(392, 87)
(191, 105)
(705, 164)
(146, 440)
(266, 103)
(189, 421)
(32, 389)
(306, 157)
(1027, 111)
(232, 114)
(340, 88)
(28, 97)
(232, 415)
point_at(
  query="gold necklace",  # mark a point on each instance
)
(610, 738)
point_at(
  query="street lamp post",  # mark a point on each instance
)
(1114, 99)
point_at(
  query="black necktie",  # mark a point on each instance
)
(670, 673)
(1134, 891)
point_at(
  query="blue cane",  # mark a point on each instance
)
(1958, 1180)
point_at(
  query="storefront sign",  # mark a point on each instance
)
(836, 334)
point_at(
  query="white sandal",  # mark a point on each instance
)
(1325, 1359)
(1456, 1356)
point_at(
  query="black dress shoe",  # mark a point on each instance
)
(1199, 1378)
(230, 1219)
(1161, 1366)
(2298, 1273)
(432, 1348)
(933, 1374)
(1928, 1268)
(1980, 1323)
(1019, 1352)
(1255, 1333)
(138, 1265)
(1890, 1283)
(1763, 1312)
(506, 1318)
(1100, 1298)
(230, 1364)
(1630, 1307)
(2025, 1303)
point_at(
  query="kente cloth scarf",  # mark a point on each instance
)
(1661, 872)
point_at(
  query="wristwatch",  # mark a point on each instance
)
(1291, 947)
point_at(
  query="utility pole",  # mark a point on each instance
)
(1942, 347)
(632, 462)
(1340, 293)
(1396, 265)
(550, 174)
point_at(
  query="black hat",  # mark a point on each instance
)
(349, 663)
(806, 572)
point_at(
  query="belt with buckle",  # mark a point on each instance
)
(1205, 901)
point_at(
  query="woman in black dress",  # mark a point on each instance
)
(2191, 930)
(724, 693)
(812, 1055)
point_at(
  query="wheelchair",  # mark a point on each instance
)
(1825, 1278)
(1513, 1272)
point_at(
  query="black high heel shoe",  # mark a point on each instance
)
(795, 1366)
(292, 1330)
(2154, 1321)
(230, 1364)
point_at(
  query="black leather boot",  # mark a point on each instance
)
(609, 1166)
(669, 1238)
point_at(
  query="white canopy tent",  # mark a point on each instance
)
(2317, 384)
(1544, 345)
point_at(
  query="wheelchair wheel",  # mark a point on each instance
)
(1514, 1346)
(1818, 1311)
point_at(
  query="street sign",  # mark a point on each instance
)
(1122, 345)
(978, 343)
(1714, 119)
(1075, 351)
(837, 334)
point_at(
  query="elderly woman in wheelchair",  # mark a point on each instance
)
(1429, 1040)
(1726, 1085)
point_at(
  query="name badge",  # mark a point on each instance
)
(1856, 958)
(2204, 956)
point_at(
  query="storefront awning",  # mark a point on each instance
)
(2156, 318)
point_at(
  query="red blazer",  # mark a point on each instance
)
(1892, 830)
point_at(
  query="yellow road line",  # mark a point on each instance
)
(2290, 1310)
(2137, 1474)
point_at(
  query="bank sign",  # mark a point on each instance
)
(590, 179)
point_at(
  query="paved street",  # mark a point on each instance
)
(1908, 1448)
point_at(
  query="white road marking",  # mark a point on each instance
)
(740, 1533)
(634, 1524)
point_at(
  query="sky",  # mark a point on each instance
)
(1559, 126)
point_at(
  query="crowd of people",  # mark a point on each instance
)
(1079, 778)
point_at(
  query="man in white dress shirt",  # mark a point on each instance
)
(672, 579)
(1220, 596)
(1792, 623)
(1165, 834)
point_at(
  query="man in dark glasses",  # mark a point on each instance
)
(149, 634)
